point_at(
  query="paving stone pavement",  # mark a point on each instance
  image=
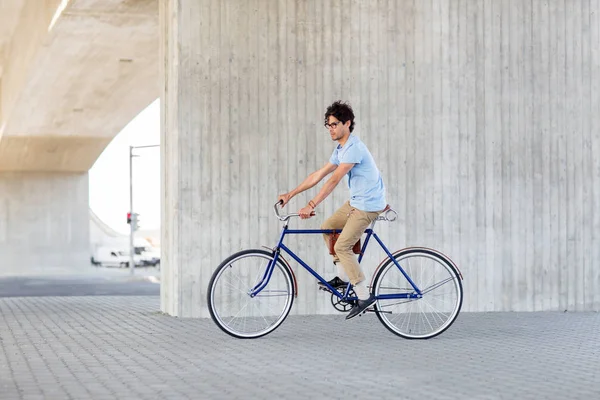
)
(124, 348)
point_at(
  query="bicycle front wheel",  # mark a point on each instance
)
(230, 304)
(440, 285)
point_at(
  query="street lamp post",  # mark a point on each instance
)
(133, 216)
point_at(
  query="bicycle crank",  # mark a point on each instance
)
(342, 305)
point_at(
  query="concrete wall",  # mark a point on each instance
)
(44, 222)
(482, 115)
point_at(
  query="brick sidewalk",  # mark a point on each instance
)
(123, 348)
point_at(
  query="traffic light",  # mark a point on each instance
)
(135, 220)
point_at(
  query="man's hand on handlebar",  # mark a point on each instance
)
(306, 212)
(284, 198)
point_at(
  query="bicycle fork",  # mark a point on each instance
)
(266, 276)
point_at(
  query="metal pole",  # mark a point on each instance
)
(131, 224)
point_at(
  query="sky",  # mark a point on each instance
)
(109, 177)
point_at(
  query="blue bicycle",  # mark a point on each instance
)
(419, 290)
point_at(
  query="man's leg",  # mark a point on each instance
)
(357, 222)
(337, 221)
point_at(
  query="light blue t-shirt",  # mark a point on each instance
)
(367, 191)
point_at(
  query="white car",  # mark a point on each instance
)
(111, 257)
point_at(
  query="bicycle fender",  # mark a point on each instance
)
(289, 268)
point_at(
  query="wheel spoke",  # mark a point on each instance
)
(430, 288)
(240, 315)
(428, 315)
(234, 287)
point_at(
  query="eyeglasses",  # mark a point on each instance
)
(332, 125)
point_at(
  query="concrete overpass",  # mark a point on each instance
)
(482, 115)
(73, 73)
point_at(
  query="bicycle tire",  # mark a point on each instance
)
(281, 285)
(434, 321)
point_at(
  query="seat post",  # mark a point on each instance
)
(373, 224)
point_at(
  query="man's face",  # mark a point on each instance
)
(337, 130)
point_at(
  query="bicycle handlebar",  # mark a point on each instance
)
(287, 216)
(386, 216)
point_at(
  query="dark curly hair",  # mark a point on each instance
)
(342, 111)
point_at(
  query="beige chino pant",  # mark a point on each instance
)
(353, 223)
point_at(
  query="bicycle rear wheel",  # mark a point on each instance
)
(440, 285)
(229, 301)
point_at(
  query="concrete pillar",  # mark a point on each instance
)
(44, 222)
(481, 116)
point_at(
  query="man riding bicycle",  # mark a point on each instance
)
(367, 200)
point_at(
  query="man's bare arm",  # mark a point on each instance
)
(309, 182)
(340, 171)
(332, 182)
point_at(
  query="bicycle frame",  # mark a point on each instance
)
(369, 231)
